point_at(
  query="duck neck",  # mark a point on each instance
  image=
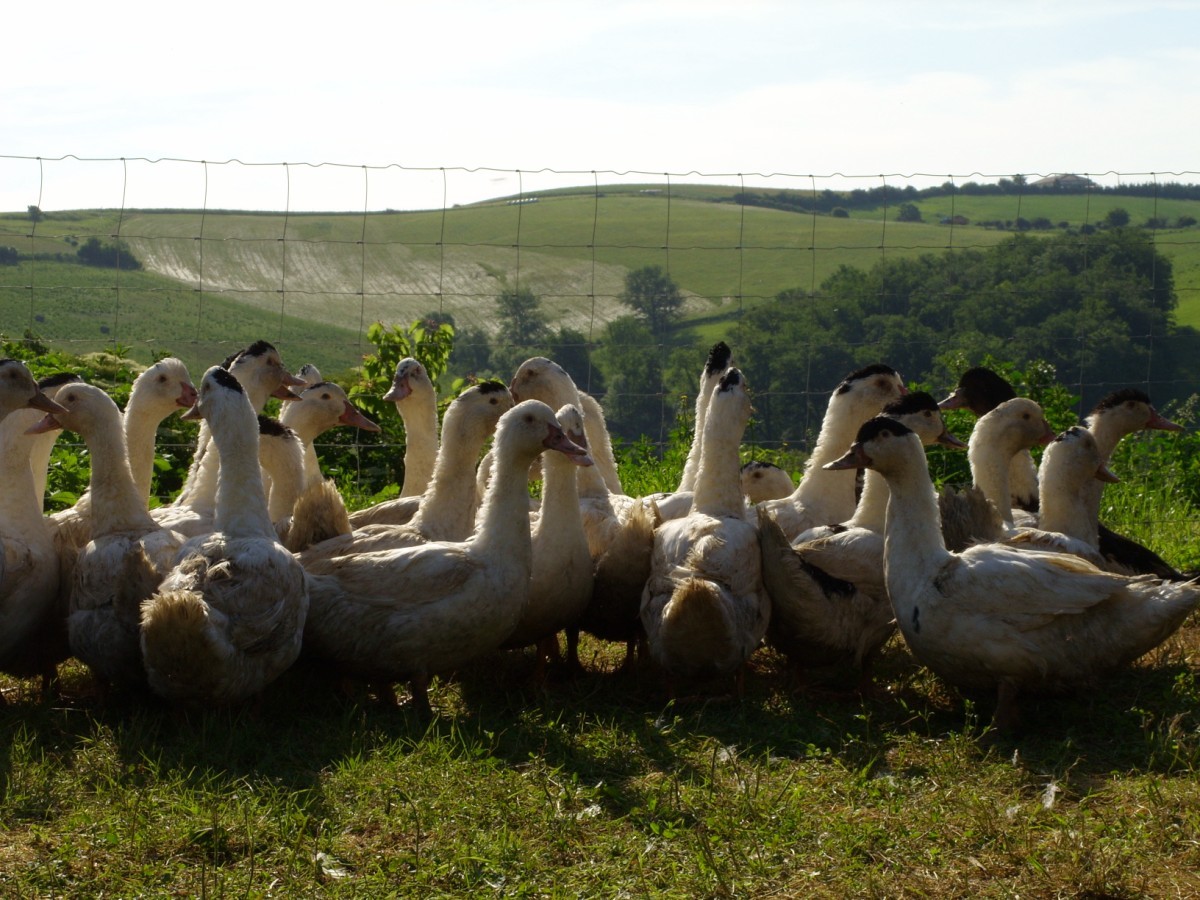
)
(559, 520)
(202, 472)
(691, 466)
(599, 442)
(140, 431)
(591, 483)
(115, 502)
(831, 490)
(1066, 511)
(871, 511)
(1023, 477)
(20, 505)
(1108, 433)
(40, 450)
(503, 520)
(718, 490)
(989, 471)
(241, 501)
(914, 550)
(284, 465)
(420, 442)
(449, 501)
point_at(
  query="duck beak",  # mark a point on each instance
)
(290, 380)
(398, 391)
(46, 424)
(351, 416)
(955, 401)
(192, 413)
(1161, 424)
(1103, 474)
(187, 395)
(283, 392)
(855, 458)
(556, 439)
(1047, 436)
(946, 439)
(45, 404)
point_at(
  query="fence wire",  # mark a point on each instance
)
(308, 255)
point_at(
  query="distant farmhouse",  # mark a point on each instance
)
(1065, 182)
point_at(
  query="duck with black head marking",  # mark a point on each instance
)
(823, 497)
(993, 618)
(229, 618)
(704, 609)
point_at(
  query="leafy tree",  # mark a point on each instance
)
(9, 256)
(654, 298)
(633, 371)
(908, 212)
(1098, 307)
(35, 213)
(572, 350)
(116, 255)
(472, 354)
(521, 317)
(1117, 218)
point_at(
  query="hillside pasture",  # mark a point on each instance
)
(572, 248)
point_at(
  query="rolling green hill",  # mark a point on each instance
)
(214, 281)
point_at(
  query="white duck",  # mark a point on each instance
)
(128, 553)
(32, 626)
(416, 401)
(539, 378)
(43, 444)
(985, 512)
(993, 618)
(824, 497)
(446, 511)
(719, 359)
(261, 372)
(704, 608)
(18, 390)
(1117, 415)
(281, 458)
(762, 480)
(416, 611)
(322, 406)
(317, 511)
(829, 602)
(162, 389)
(980, 390)
(229, 619)
(1065, 523)
(562, 579)
(159, 390)
(1013, 426)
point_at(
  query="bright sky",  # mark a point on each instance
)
(861, 87)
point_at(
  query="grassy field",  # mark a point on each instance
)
(572, 248)
(600, 786)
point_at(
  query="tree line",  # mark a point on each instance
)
(1097, 309)
(885, 196)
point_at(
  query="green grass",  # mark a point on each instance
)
(601, 786)
(82, 309)
(340, 272)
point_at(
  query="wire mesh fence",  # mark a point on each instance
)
(308, 255)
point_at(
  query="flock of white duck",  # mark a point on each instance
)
(1010, 585)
